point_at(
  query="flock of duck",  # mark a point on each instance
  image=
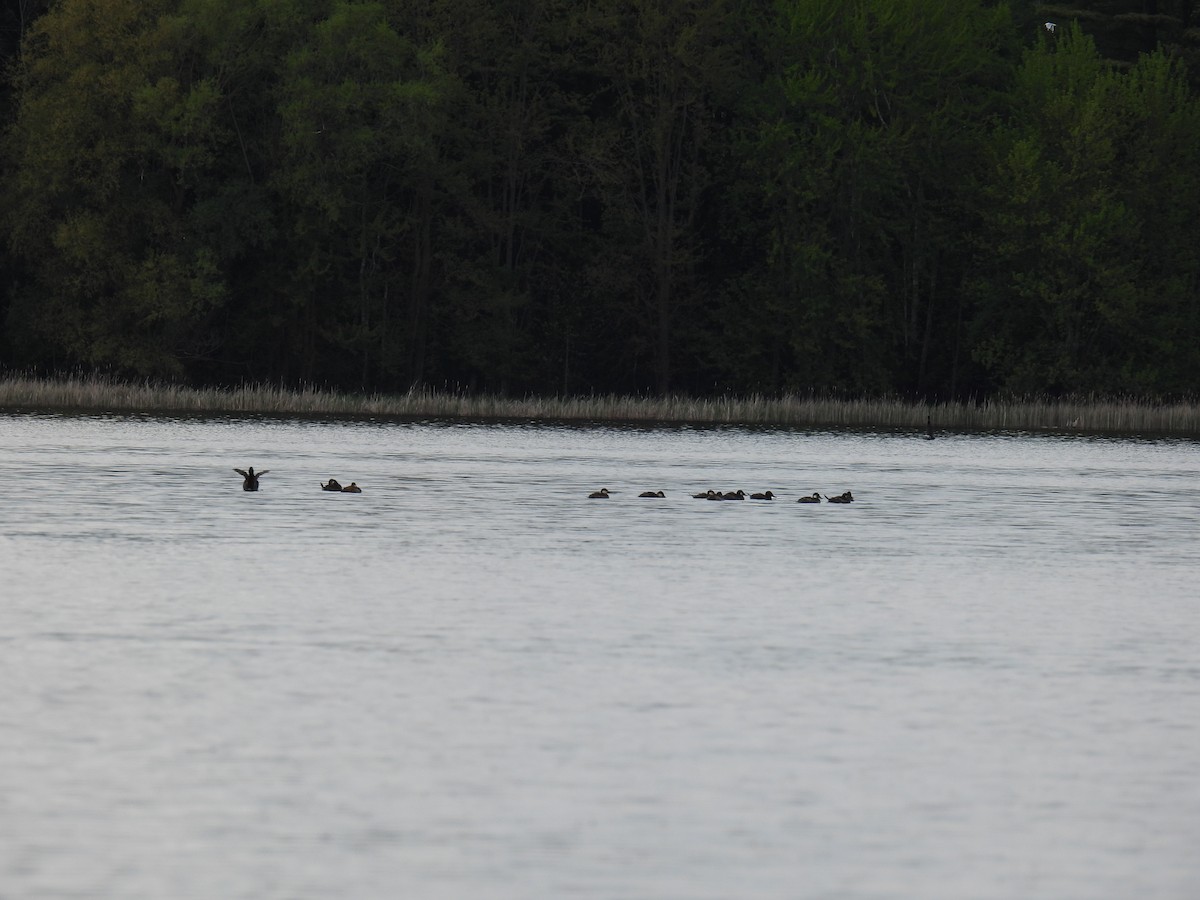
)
(250, 483)
(814, 497)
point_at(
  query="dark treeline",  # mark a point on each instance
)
(932, 198)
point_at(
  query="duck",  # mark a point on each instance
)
(250, 478)
(815, 498)
(352, 488)
(734, 495)
(845, 497)
(765, 495)
(705, 495)
(652, 494)
(331, 486)
(601, 494)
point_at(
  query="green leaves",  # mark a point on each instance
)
(631, 195)
(111, 147)
(1080, 262)
(865, 144)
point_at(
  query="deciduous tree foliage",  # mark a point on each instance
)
(1083, 272)
(872, 119)
(925, 197)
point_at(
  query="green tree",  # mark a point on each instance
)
(507, 229)
(1125, 29)
(866, 135)
(1160, 159)
(666, 71)
(119, 197)
(1083, 291)
(359, 113)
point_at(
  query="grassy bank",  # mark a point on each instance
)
(1083, 415)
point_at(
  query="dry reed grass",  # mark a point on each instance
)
(1086, 415)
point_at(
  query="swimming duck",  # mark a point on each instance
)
(352, 488)
(705, 495)
(250, 478)
(331, 486)
(815, 498)
(846, 497)
(734, 495)
(766, 495)
(601, 494)
(652, 494)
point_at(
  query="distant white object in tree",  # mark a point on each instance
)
(1051, 27)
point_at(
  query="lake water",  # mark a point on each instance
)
(979, 680)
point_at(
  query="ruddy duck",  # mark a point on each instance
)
(331, 486)
(352, 488)
(601, 494)
(765, 495)
(652, 494)
(846, 497)
(815, 498)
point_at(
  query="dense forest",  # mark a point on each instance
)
(924, 198)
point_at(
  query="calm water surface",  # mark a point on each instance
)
(980, 680)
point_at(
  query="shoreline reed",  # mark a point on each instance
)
(1086, 415)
